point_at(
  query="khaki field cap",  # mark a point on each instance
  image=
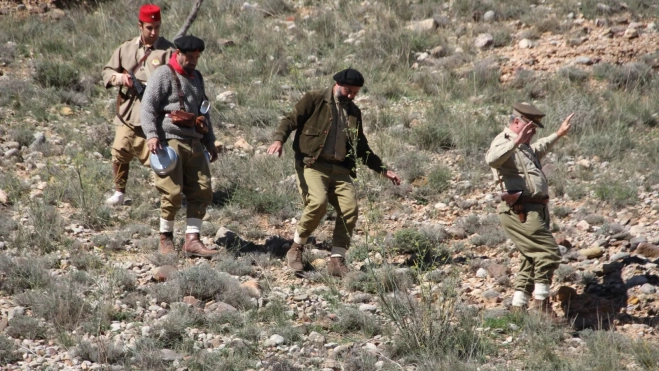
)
(529, 112)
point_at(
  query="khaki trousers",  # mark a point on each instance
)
(129, 143)
(191, 177)
(324, 183)
(540, 254)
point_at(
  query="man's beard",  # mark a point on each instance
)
(342, 98)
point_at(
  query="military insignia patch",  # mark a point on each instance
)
(155, 62)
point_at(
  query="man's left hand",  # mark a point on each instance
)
(565, 126)
(393, 177)
(213, 153)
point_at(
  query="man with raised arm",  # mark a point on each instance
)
(523, 211)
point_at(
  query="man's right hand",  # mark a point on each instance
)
(275, 147)
(126, 80)
(525, 135)
(153, 145)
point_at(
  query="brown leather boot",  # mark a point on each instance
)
(543, 307)
(337, 266)
(166, 243)
(194, 247)
(294, 257)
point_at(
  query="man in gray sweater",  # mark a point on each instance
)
(191, 176)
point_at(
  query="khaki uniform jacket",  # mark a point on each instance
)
(512, 162)
(125, 57)
(311, 119)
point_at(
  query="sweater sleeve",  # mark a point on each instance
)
(156, 91)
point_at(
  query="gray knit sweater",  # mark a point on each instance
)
(161, 97)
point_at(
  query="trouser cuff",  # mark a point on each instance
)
(541, 291)
(193, 225)
(520, 299)
(338, 252)
(299, 240)
(166, 225)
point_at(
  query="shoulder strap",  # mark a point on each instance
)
(178, 87)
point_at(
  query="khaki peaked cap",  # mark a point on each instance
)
(529, 112)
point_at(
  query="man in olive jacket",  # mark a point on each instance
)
(328, 140)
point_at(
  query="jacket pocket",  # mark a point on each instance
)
(310, 140)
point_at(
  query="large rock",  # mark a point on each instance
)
(592, 252)
(583, 225)
(526, 44)
(4, 199)
(637, 230)
(163, 273)
(220, 308)
(484, 40)
(489, 16)
(497, 270)
(227, 97)
(242, 144)
(422, 26)
(630, 33)
(274, 340)
(169, 355)
(253, 288)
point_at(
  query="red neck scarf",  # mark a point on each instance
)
(177, 67)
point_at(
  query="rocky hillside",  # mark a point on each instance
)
(82, 285)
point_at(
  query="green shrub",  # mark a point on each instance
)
(561, 211)
(50, 73)
(353, 320)
(617, 193)
(439, 179)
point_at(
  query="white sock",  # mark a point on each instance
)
(298, 239)
(117, 194)
(194, 226)
(541, 291)
(166, 225)
(338, 252)
(520, 299)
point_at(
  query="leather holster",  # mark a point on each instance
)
(512, 199)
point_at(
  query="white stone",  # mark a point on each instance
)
(484, 40)
(526, 44)
(481, 273)
(227, 97)
(368, 308)
(488, 16)
(274, 340)
(583, 225)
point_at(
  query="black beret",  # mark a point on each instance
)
(189, 44)
(349, 77)
(529, 111)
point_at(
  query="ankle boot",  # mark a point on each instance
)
(166, 245)
(294, 257)
(194, 247)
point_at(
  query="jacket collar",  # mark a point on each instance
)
(327, 94)
(509, 133)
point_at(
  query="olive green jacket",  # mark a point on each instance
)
(311, 119)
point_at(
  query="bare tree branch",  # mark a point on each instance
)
(191, 18)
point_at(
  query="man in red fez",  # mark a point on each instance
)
(129, 69)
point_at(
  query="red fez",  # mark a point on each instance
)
(149, 13)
